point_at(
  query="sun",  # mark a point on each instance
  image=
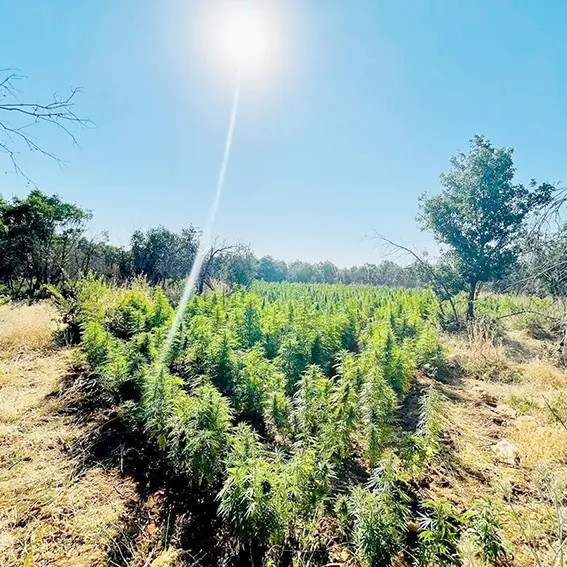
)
(243, 36)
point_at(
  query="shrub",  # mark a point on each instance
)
(252, 379)
(278, 412)
(161, 314)
(438, 535)
(377, 516)
(132, 316)
(484, 520)
(97, 346)
(312, 404)
(200, 434)
(249, 501)
(429, 355)
(379, 403)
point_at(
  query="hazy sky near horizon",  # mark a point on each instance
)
(358, 114)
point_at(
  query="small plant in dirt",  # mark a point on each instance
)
(419, 448)
(484, 532)
(438, 535)
(375, 517)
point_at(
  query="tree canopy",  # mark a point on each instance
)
(38, 238)
(481, 213)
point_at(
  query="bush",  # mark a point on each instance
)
(250, 501)
(132, 316)
(484, 520)
(420, 447)
(379, 403)
(438, 535)
(429, 354)
(377, 516)
(200, 434)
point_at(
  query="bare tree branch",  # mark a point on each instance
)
(436, 281)
(205, 276)
(18, 118)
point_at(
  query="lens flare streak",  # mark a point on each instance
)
(207, 233)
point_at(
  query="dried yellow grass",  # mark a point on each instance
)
(26, 327)
(514, 373)
(48, 514)
(481, 360)
(168, 558)
(539, 443)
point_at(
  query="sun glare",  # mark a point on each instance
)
(243, 36)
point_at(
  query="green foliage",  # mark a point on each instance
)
(132, 314)
(97, 346)
(318, 370)
(420, 447)
(376, 516)
(481, 213)
(429, 354)
(38, 235)
(263, 498)
(438, 535)
(312, 404)
(378, 405)
(251, 383)
(278, 412)
(160, 254)
(200, 433)
(484, 520)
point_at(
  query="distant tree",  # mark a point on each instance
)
(161, 254)
(481, 213)
(239, 265)
(327, 272)
(212, 265)
(303, 272)
(39, 236)
(103, 259)
(542, 269)
(271, 270)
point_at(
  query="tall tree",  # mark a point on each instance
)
(481, 213)
(271, 270)
(161, 254)
(38, 239)
(239, 265)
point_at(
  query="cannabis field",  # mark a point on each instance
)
(284, 418)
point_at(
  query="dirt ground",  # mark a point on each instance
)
(513, 391)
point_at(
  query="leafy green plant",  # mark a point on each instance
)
(484, 520)
(271, 360)
(376, 516)
(248, 501)
(378, 405)
(438, 535)
(429, 354)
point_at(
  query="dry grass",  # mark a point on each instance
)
(26, 327)
(50, 513)
(503, 392)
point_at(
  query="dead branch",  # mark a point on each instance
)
(429, 270)
(17, 120)
(205, 277)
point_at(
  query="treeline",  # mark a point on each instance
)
(43, 241)
(493, 233)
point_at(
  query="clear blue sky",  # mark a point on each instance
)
(373, 99)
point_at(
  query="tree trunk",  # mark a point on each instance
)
(470, 302)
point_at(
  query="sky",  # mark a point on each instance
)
(356, 114)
